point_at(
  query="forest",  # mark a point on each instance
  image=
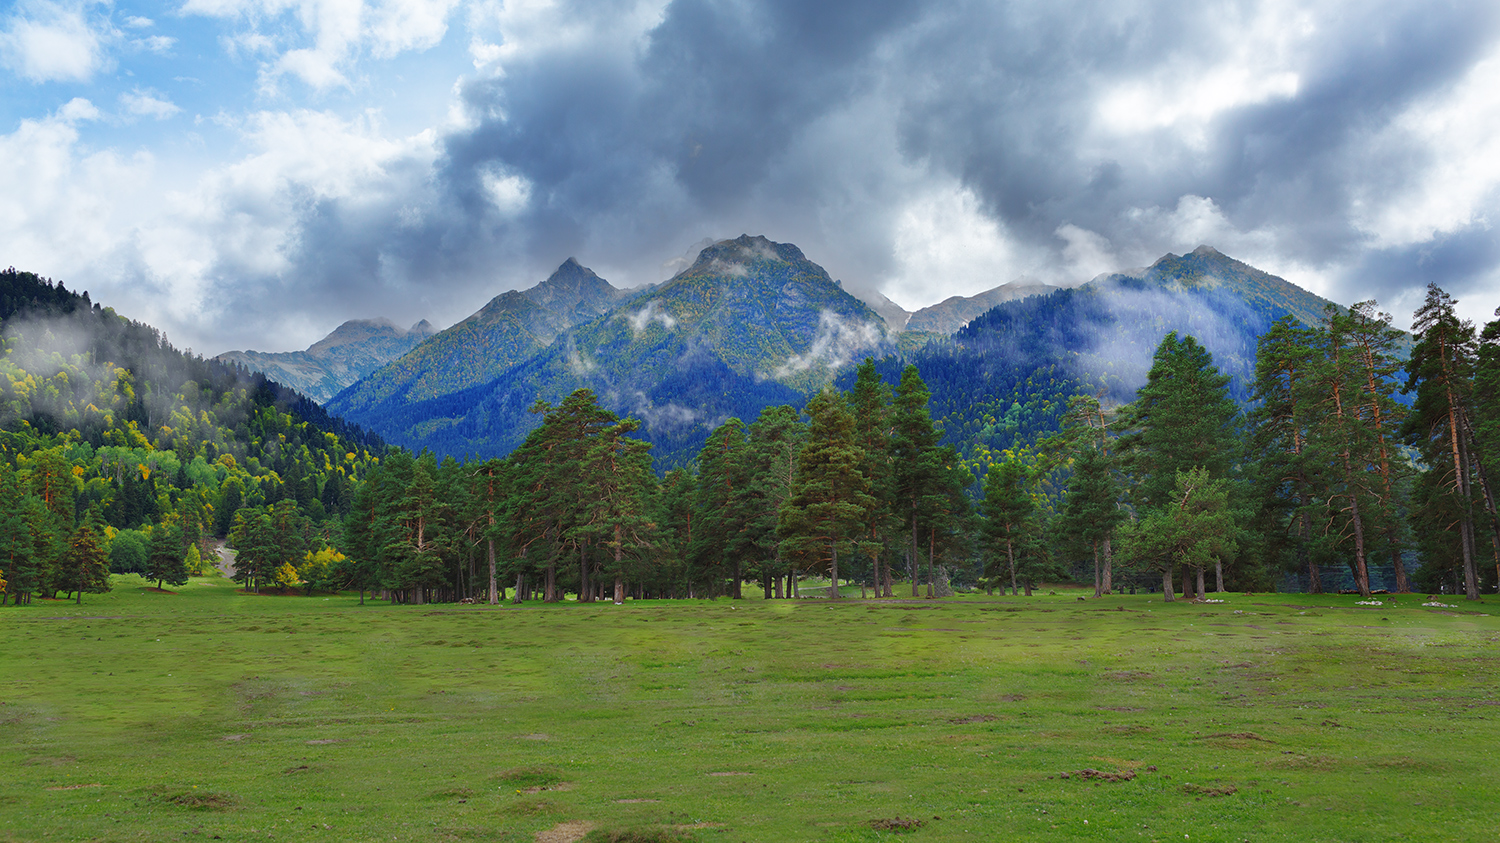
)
(1359, 459)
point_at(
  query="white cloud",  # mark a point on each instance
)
(1455, 182)
(136, 22)
(641, 319)
(945, 245)
(339, 32)
(158, 44)
(837, 342)
(45, 41)
(148, 104)
(508, 192)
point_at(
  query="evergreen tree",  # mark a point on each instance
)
(722, 508)
(776, 439)
(1284, 474)
(915, 468)
(1440, 371)
(830, 497)
(1007, 509)
(870, 402)
(618, 495)
(87, 562)
(166, 562)
(1190, 529)
(1182, 418)
(1091, 509)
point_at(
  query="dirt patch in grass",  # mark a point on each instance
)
(1127, 675)
(535, 737)
(191, 799)
(539, 788)
(634, 801)
(234, 737)
(75, 786)
(731, 773)
(530, 779)
(649, 835)
(897, 823)
(531, 808)
(973, 718)
(1235, 736)
(565, 832)
(1205, 790)
(325, 741)
(1090, 774)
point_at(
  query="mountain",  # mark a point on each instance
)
(895, 315)
(137, 425)
(1005, 378)
(354, 350)
(512, 327)
(953, 313)
(750, 324)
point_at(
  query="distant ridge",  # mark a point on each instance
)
(352, 351)
(951, 314)
(510, 328)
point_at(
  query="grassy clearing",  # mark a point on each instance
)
(143, 716)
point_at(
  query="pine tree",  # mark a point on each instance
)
(1091, 509)
(914, 439)
(830, 496)
(722, 509)
(1190, 529)
(1007, 509)
(1284, 476)
(87, 562)
(870, 402)
(166, 562)
(617, 500)
(770, 461)
(1440, 371)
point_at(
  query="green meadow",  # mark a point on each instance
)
(211, 714)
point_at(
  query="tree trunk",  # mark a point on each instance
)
(1201, 593)
(1109, 576)
(1218, 575)
(551, 595)
(1166, 585)
(833, 593)
(494, 591)
(1010, 554)
(1098, 582)
(520, 587)
(912, 559)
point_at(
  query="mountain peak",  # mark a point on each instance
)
(1206, 251)
(743, 251)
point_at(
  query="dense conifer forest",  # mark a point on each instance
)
(1351, 457)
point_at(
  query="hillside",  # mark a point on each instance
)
(951, 314)
(512, 327)
(751, 323)
(351, 352)
(101, 417)
(1005, 378)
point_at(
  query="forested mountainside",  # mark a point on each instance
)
(750, 324)
(511, 328)
(106, 428)
(1004, 380)
(352, 351)
(951, 314)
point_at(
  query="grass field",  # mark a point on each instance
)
(210, 714)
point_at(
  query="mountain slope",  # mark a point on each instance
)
(751, 323)
(354, 350)
(1005, 378)
(951, 314)
(510, 328)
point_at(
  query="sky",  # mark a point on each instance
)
(251, 173)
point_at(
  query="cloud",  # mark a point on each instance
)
(148, 104)
(319, 41)
(641, 319)
(836, 343)
(925, 150)
(45, 41)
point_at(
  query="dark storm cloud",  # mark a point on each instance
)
(818, 122)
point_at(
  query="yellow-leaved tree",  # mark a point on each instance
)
(317, 568)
